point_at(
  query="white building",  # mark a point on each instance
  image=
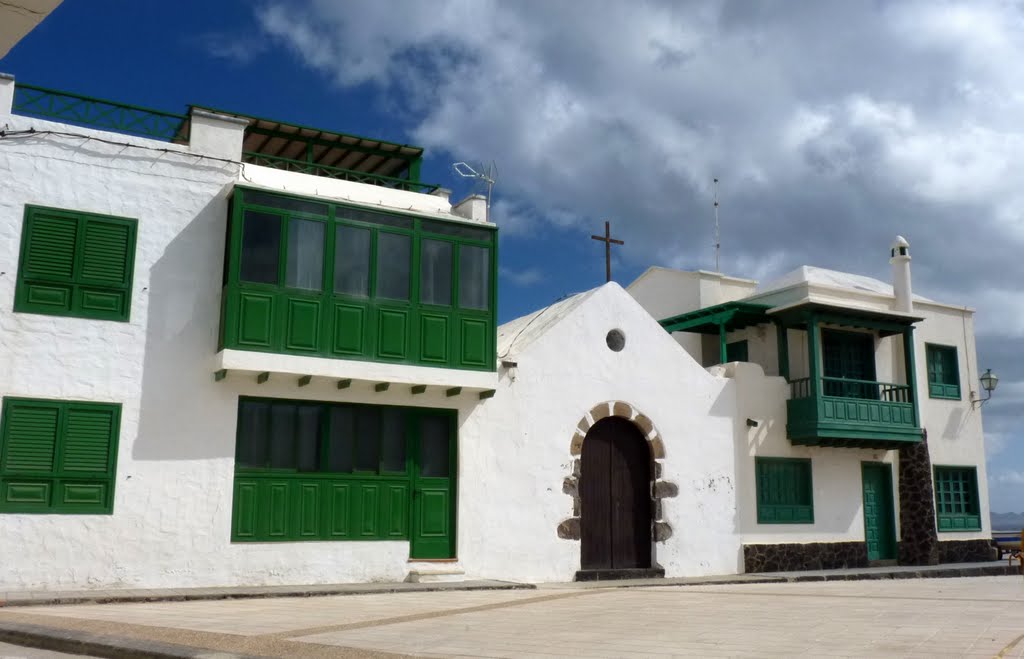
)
(238, 352)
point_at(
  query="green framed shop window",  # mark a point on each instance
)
(943, 371)
(75, 264)
(58, 456)
(736, 351)
(308, 470)
(338, 281)
(785, 494)
(956, 499)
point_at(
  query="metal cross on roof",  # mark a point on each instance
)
(608, 242)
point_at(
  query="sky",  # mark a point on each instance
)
(832, 126)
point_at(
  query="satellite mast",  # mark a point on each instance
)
(489, 176)
(718, 241)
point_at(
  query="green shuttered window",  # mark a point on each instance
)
(943, 372)
(324, 471)
(784, 491)
(956, 499)
(58, 457)
(75, 264)
(337, 281)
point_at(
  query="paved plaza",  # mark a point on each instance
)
(963, 617)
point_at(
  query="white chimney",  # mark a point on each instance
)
(900, 260)
(473, 207)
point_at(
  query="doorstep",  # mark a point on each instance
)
(46, 598)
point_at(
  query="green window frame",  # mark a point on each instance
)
(737, 351)
(315, 470)
(77, 264)
(943, 371)
(383, 286)
(785, 491)
(957, 506)
(58, 456)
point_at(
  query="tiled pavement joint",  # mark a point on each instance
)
(101, 645)
(13, 599)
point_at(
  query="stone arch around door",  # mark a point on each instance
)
(570, 528)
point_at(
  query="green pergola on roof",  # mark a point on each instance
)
(712, 320)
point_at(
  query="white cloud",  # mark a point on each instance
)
(833, 125)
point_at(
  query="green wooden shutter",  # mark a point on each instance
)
(76, 264)
(30, 438)
(51, 247)
(88, 439)
(106, 252)
(785, 493)
(58, 457)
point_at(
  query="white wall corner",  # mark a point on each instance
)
(6, 93)
(473, 207)
(216, 135)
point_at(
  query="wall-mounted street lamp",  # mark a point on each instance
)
(989, 382)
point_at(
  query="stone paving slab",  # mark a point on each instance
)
(101, 645)
(973, 617)
(44, 598)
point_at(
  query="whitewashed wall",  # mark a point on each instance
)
(517, 447)
(173, 487)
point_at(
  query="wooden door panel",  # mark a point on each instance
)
(615, 497)
(595, 501)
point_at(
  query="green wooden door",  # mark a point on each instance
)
(879, 519)
(434, 477)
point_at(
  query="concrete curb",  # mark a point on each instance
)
(101, 645)
(942, 573)
(837, 575)
(186, 595)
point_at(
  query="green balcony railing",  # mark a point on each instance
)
(851, 413)
(315, 169)
(850, 388)
(33, 101)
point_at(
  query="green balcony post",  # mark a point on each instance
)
(910, 366)
(723, 356)
(782, 335)
(814, 354)
(414, 170)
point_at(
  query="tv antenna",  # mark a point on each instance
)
(487, 175)
(718, 240)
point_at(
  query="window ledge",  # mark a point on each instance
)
(937, 396)
(253, 363)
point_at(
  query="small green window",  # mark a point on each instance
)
(956, 499)
(736, 351)
(784, 491)
(75, 264)
(58, 456)
(943, 372)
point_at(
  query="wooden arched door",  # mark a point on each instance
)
(615, 497)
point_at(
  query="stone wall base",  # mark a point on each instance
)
(804, 556)
(966, 551)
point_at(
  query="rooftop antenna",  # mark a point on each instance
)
(718, 241)
(488, 176)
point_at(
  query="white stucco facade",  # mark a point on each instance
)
(517, 426)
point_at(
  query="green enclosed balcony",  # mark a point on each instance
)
(850, 413)
(841, 403)
(836, 400)
(310, 278)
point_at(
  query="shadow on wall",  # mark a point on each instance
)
(181, 408)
